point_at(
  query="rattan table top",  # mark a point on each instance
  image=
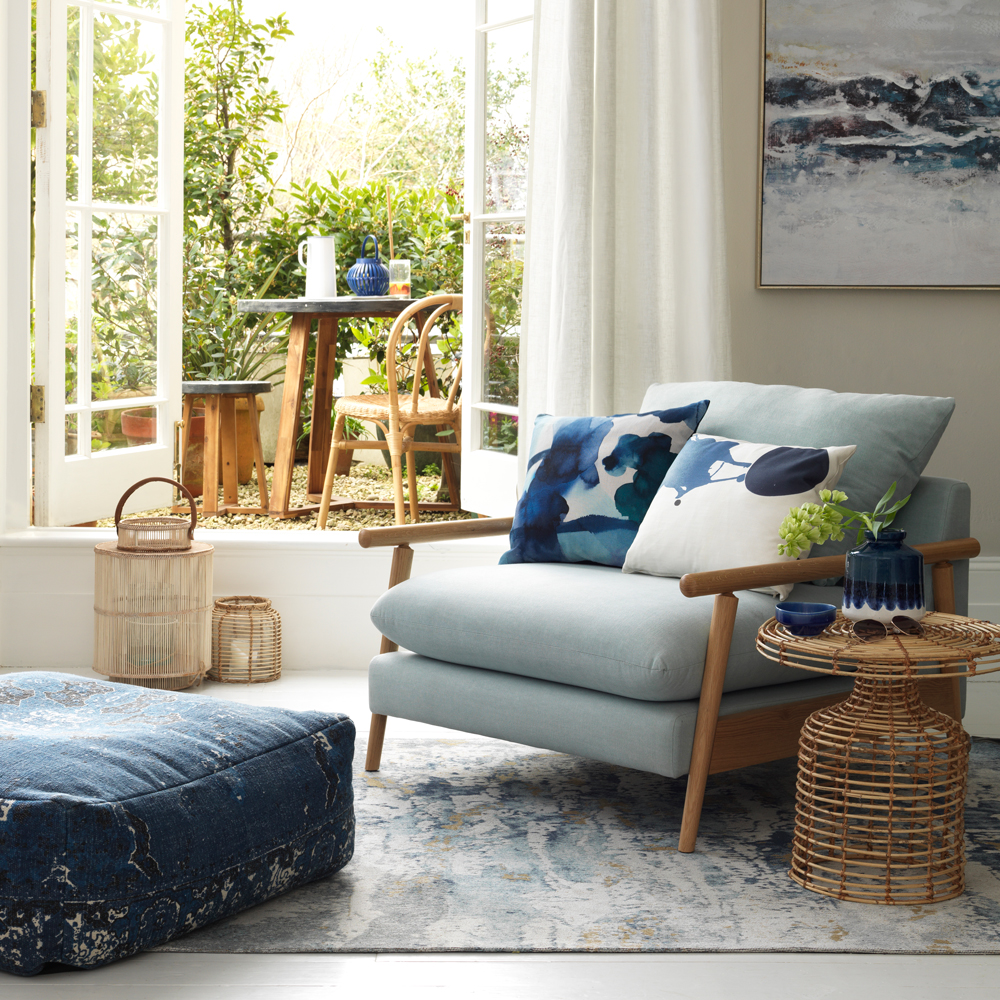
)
(964, 646)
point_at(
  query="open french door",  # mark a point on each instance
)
(109, 224)
(498, 112)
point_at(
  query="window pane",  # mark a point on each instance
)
(504, 268)
(72, 445)
(507, 10)
(123, 305)
(508, 111)
(499, 432)
(72, 289)
(126, 106)
(72, 103)
(113, 429)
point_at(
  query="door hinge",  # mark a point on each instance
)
(38, 119)
(37, 404)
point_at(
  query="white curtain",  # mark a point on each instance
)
(625, 274)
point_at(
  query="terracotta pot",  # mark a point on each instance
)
(139, 426)
(194, 460)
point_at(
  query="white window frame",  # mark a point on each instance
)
(489, 478)
(85, 486)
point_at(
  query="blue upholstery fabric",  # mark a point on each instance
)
(129, 816)
(895, 434)
(589, 626)
(590, 481)
(649, 735)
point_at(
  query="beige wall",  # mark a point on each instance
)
(936, 343)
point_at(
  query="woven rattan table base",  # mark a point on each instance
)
(880, 798)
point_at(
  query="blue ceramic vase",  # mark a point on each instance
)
(368, 276)
(884, 578)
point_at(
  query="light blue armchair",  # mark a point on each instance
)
(649, 672)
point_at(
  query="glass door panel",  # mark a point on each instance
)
(109, 224)
(497, 144)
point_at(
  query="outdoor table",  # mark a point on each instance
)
(327, 313)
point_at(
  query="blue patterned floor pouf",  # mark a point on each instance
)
(130, 816)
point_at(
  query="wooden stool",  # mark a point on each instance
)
(220, 439)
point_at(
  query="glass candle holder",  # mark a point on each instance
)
(399, 278)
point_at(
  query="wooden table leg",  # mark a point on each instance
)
(258, 451)
(322, 402)
(291, 400)
(230, 470)
(210, 475)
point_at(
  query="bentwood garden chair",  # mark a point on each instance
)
(398, 413)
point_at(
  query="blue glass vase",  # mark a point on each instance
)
(884, 578)
(368, 276)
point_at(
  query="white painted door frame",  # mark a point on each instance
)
(77, 484)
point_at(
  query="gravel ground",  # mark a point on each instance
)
(366, 482)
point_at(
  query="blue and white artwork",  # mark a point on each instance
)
(881, 143)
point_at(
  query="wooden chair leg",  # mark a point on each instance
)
(720, 637)
(402, 561)
(258, 452)
(943, 582)
(395, 440)
(210, 474)
(230, 469)
(331, 470)
(411, 482)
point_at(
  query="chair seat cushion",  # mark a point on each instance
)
(129, 816)
(591, 626)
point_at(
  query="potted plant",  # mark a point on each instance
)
(882, 576)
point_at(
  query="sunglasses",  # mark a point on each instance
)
(870, 630)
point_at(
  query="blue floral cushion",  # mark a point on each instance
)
(590, 481)
(129, 816)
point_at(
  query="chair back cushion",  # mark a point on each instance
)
(895, 434)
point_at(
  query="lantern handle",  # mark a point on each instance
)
(159, 479)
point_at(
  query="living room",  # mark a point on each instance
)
(917, 341)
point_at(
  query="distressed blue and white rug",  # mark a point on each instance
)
(476, 845)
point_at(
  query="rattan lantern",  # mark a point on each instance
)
(153, 600)
(246, 641)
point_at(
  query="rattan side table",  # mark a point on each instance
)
(880, 796)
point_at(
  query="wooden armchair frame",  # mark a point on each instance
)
(732, 741)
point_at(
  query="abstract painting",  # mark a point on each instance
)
(880, 144)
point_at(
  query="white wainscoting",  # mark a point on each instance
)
(322, 584)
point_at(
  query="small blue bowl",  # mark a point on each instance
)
(805, 619)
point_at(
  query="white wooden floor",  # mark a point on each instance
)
(520, 977)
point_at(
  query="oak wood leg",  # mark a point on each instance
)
(230, 468)
(210, 475)
(291, 400)
(258, 452)
(402, 561)
(720, 636)
(376, 737)
(943, 582)
(322, 401)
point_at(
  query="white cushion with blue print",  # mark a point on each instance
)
(722, 501)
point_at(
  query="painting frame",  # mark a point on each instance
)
(766, 276)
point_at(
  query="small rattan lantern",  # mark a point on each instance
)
(246, 641)
(153, 600)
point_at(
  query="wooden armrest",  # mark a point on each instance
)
(433, 531)
(725, 581)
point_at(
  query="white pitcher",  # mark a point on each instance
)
(320, 263)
